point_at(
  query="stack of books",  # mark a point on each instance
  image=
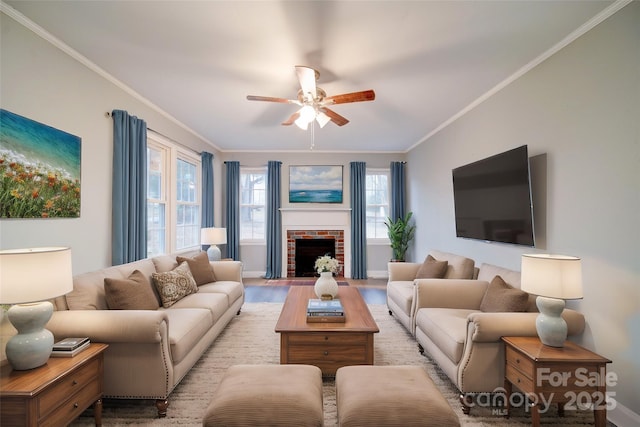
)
(69, 347)
(325, 311)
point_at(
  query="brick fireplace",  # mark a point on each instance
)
(316, 223)
(337, 236)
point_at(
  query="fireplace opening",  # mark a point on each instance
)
(308, 250)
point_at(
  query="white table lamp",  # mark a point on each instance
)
(554, 278)
(29, 277)
(213, 236)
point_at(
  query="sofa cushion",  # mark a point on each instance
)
(88, 288)
(459, 267)
(402, 293)
(164, 263)
(233, 290)
(501, 297)
(215, 303)
(431, 268)
(446, 327)
(132, 293)
(175, 284)
(186, 328)
(200, 268)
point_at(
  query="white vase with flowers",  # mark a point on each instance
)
(326, 286)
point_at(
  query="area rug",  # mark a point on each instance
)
(250, 338)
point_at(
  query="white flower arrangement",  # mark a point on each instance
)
(326, 263)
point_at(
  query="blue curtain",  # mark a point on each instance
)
(233, 210)
(129, 189)
(398, 190)
(358, 220)
(274, 222)
(207, 189)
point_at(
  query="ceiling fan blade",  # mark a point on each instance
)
(271, 99)
(365, 95)
(307, 77)
(335, 117)
(292, 118)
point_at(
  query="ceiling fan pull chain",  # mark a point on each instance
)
(313, 135)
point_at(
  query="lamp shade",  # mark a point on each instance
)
(35, 274)
(213, 236)
(553, 276)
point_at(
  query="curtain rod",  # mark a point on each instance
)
(108, 114)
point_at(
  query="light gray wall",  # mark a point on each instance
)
(41, 82)
(254, 256)
(581, 110)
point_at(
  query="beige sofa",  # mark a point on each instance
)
(150, 351)
(465, 340)
(401, 286)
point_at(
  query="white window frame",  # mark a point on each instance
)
(171, 153)
(380, 171)
(260, 170)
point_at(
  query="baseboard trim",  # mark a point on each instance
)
(622, 416)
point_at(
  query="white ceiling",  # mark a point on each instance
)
(427, 61)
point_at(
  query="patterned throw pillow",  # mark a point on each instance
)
(175, 284)
(502, 297)
(200, 268)
(132, 293)
(431, 268)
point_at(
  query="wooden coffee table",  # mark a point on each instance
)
(328, 346)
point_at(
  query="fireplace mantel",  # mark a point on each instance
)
(318, 218)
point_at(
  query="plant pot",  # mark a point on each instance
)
(326, 286)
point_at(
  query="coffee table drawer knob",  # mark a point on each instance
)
(326, 353)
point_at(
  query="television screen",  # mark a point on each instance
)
(492, 199)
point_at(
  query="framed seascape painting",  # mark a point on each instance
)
(315, 184)
(40, 170)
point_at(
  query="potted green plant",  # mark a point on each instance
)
(400, 232)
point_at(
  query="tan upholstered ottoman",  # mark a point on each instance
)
(268, 395)
(385, 396)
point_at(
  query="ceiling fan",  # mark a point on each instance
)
(313, 101)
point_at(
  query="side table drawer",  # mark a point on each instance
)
(517, 378)
(520, 362)
(73, 407)
(69, 385)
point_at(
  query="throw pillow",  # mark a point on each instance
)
(175, 284)
(132, 293)
(200, 268)
(502, 297)
(431, 268)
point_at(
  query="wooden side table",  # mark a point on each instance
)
(569, 376)
(53, 394)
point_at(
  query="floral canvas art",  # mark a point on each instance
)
(40, 168)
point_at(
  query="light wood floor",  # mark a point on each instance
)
(374, 291)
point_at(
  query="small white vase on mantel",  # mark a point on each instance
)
(326, 286)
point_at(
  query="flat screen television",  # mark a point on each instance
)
(492, 199)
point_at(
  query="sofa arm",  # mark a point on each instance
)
(227, 270)
(111, 326)
(402, 271)
(490, 327)
(450, 293)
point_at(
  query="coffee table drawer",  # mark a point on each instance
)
(328, 338)
(322, 354)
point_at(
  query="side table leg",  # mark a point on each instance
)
(535, 415)
(97, 412)
(600, 416)
(508, 388)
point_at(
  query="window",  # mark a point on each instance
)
(377, 200)
(173, 197)
(252, 204)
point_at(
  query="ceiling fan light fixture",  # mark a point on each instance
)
(322, 119)
(301, 123)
